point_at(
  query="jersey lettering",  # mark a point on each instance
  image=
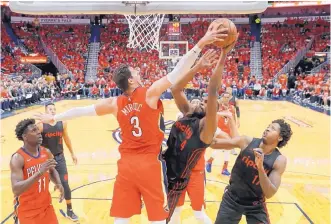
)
(250, 163)
(131, 107)
(42, 184)
(184, 128)
(54, 134)
(32, 170)
(135, 122)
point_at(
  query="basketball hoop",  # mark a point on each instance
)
(144, 29)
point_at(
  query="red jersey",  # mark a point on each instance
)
(142, 127)
(223, 122)
(37, 198)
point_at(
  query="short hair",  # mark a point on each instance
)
(22, 126)
(49, 104)
(121, 77)
(285, 132)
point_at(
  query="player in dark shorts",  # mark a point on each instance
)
(256, 174)
(191, 135)
(53, 136)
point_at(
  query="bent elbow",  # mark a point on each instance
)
(16, 191)
(268, 196)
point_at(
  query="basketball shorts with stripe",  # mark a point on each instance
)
(231, 211)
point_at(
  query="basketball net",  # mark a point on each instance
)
(144, 31)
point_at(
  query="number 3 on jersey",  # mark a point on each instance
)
(137, 132)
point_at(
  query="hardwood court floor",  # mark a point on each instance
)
(302, 198)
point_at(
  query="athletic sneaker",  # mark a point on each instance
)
(226, 172)
(71, 215)
(208, 167)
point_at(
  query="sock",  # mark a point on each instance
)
(175, 218)
(121, 221)
(226, 155)
(210, 160)
(159, 222)
(202, 217)
(69, 206)
(225, 165)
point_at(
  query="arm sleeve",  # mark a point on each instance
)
(76, 112)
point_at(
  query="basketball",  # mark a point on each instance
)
(232, 33)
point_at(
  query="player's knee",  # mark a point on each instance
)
(121, 221)
(202, 217)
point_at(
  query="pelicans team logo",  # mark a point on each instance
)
(118, 136)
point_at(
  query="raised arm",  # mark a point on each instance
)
(207, 60)
(102, 107)
(181, 70)
(232, 122)
(236, 142)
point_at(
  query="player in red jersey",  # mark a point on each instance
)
(32, 167)
(139, 115)
(224, 124)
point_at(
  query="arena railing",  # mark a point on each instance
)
(292, 63)
(318, 69)
(55, 59)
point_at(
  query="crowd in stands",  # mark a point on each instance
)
(280, 43)
(21, 92)
(11, 56)
(69, 43)
(29, 37)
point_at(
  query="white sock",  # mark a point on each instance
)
(175, 218)
(202, 217)
(226, 155)
(121, 221)
(159, 222)
(214, 154)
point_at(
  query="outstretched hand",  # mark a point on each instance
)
(208, 59)
(44, 118)
(230, 47)
(214, 35)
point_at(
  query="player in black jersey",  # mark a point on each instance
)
(191, 135)
(53, 135)
(256, 174)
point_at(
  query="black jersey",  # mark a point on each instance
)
(53, 137)
(244, 181)
(184, 150)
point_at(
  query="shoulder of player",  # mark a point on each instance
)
(106, 106)
(280, 163)
(47, 151)
(244, 141)
(17, 160)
